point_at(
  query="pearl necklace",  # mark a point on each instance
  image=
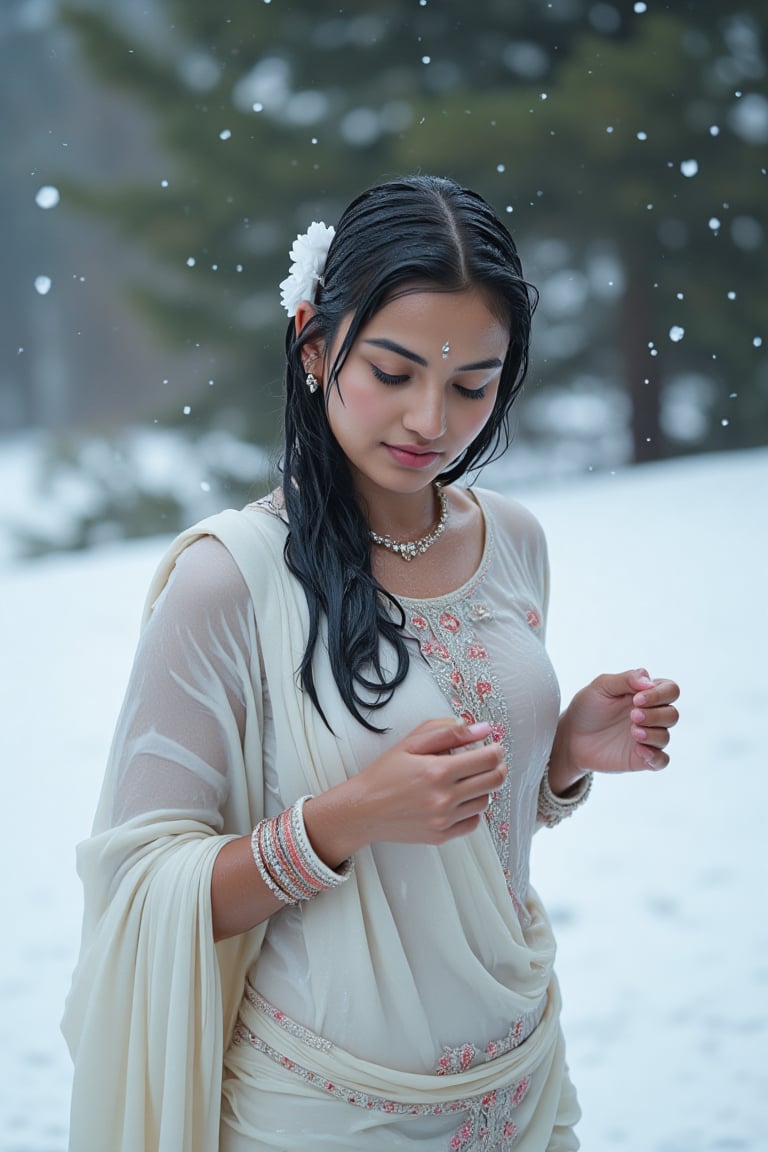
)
(410, 549)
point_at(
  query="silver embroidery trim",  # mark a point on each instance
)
(292, 1026)
(487, 1125)
(463, 671)
(272, 503)
(552, 809)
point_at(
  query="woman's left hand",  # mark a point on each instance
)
(618, 723)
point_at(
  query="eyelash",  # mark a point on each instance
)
(470, 393)
(385, 378)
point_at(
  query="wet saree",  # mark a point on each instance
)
(420, 968)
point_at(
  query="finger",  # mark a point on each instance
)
(624, 683)
(663, 717)
(479, 786)
(653, 737)
(437, 736)
(657, 693)
(476, 762)
(461, 827)
(652, 758)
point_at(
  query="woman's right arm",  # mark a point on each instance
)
(430, 787)
(180, 738)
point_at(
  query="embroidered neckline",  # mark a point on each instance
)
(274, 506)
(464, 590)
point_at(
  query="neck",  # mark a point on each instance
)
(403, 516)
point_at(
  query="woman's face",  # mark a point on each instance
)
(417, 387)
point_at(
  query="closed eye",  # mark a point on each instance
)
(472, 393)
(385, 377)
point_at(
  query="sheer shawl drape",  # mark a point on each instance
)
(154, 1001)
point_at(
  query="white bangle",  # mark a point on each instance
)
(287, 862)
(324, 876)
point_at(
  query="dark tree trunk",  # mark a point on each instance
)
(642, 369)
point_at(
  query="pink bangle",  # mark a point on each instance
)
(287, 862)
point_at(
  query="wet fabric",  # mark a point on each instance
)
(427, 953)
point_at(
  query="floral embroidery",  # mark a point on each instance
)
(467, 1055)
(533, 618)
(456, 1060)
(487, 1126)
(439, 650)
(449, 622)
(462, 668)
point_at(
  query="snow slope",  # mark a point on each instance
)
(656, 888)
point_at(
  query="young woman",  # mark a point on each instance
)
(308, 916)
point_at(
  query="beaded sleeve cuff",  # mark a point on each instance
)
(552, 809)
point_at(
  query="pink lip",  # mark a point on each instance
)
(411, 457)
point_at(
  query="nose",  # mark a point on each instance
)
(425, 415)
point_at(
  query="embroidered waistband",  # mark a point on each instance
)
(453, 1061)
(486, 1122)
(483, 1098)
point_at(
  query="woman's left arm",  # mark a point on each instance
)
(618, 723)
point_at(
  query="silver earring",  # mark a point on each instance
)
(312, 382)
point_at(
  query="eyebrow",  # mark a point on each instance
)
(391, 346)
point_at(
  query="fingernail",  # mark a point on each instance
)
(481, 729)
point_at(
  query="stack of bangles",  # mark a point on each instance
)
(286, 860)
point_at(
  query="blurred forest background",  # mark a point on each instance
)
(159, 158)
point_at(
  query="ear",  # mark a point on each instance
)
(313, 351)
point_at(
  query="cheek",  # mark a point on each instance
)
(476, 418)
(362, 408)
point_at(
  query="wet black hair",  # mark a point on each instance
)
(418, 232)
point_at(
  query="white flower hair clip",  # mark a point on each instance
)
(308, 256)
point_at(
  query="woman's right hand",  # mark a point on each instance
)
(432, 786)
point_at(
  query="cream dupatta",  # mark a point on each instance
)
(154, 1001)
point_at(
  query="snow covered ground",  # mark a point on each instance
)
(657, 888)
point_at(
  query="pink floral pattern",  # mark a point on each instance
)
(450, 623)
(467, 1055)
(462, 668)
(487, 1125)
(534, 619)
